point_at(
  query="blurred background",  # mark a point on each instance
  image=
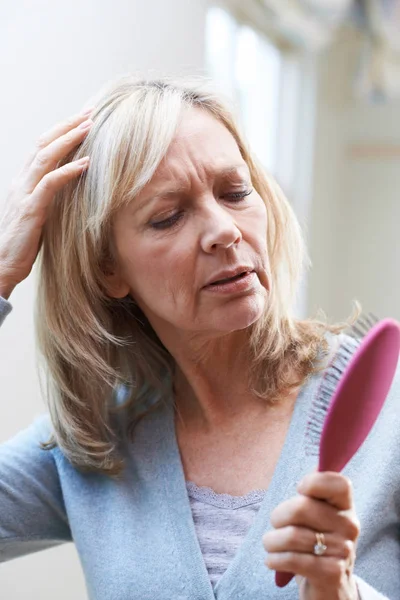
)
(316, 84)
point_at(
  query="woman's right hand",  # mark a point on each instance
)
(31, 194)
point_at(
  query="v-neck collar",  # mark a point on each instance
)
(247, 570)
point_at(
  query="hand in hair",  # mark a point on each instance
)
(31, 195)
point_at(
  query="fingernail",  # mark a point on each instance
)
(83, 161)
(86, 124)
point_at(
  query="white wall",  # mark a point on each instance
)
(55, 55)
(355, 241)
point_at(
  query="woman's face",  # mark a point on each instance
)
(196, 222)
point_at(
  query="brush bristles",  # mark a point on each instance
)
(363, 325)
(326, 390)
(330, 380)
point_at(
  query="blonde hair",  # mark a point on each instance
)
(93, 344)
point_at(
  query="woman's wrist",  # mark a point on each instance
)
(5, 289)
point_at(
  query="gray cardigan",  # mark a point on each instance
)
(136, 538)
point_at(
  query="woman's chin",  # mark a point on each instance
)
(237, 316)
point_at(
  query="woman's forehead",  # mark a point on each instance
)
(199, 129)
(168, 182)
(204, 142)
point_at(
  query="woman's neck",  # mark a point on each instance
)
(212, 388)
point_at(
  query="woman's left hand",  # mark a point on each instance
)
(324, 505)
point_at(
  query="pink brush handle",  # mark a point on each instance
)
(357, 402)
(282, 578)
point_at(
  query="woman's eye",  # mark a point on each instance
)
(238, 195)
(166, 223)
(175, 218)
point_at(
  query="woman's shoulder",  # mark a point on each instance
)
(24, 448)
(38, 430)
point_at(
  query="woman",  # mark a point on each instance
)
(180, 383)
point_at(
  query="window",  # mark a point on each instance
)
(236, 57)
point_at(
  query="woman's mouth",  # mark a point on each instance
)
(241, 282)
(234, 278)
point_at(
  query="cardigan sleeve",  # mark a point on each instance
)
(32, 512)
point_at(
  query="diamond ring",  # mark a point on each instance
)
(320, 547)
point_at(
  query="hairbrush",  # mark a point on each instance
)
(356, 402)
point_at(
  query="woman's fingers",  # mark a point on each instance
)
(324, 505)
(57, 131)
(53, 134)
(333, 487)
(22, 224)
(46, 158)
(52, 182)
(323, 572)
(62, 128)
(31, 193)
(303, 540)
(317, 515)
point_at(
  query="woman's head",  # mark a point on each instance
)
(199, 220)
(172, 201)
(152, 137)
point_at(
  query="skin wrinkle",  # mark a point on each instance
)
(163, 192)
(166, 269)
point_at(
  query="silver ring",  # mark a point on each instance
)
(320, 547)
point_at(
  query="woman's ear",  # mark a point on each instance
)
(116, 287)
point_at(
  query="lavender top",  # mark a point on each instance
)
(221, 522)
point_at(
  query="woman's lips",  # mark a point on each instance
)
(238, 283)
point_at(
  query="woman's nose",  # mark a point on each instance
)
(219, 230)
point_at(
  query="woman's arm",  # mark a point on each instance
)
(32, 512)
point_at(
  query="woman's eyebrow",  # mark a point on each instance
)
(160, 193)
(231, 169)
(166, 191)
(235, 170)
